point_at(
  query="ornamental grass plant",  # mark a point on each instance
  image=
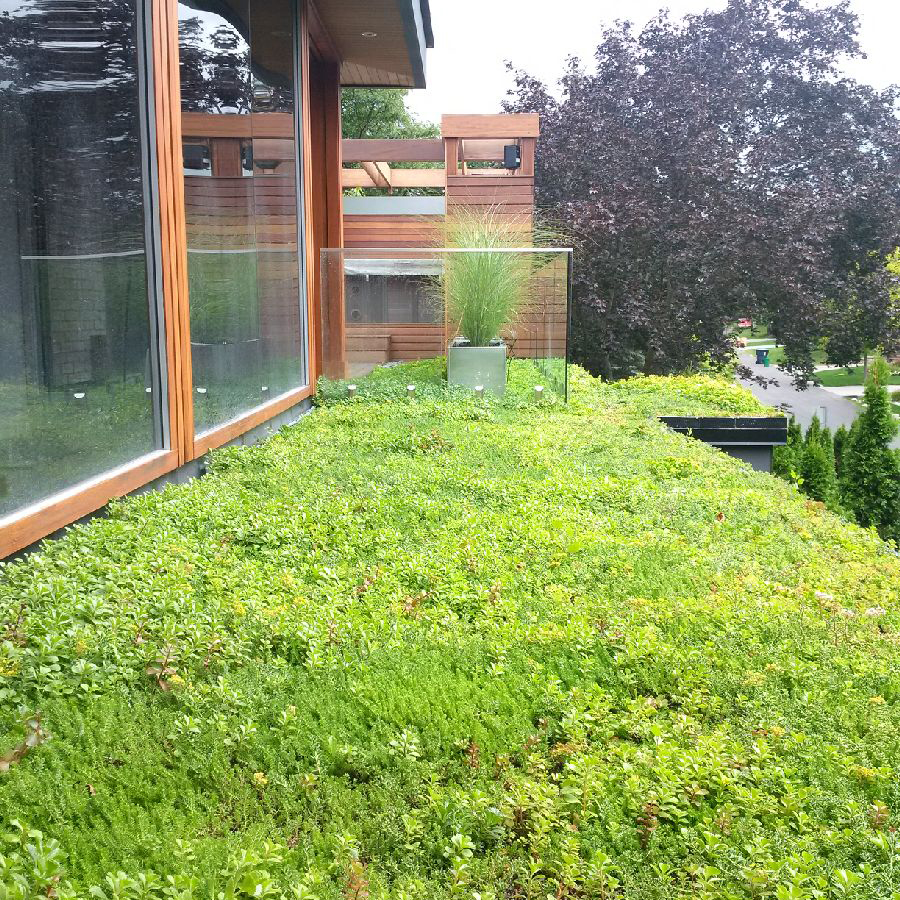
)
(487, 276)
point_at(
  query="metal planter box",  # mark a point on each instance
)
(473, 366)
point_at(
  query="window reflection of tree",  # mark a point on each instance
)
(75, 347)
(72, 171)
(219, 71)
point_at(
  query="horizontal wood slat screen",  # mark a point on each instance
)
(390, 231)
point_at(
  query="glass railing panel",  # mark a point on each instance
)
(382, 307)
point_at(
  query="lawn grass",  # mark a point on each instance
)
(759, 337)
(440, 648)
(776, 356)
(846, 377)
(758, 332)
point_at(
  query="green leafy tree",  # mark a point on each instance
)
(809, 461)
(822, 436)
(817, 473)
(814, 432)
(817, 464)
(376, 113)
(870, 483)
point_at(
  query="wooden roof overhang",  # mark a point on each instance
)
(378, 43)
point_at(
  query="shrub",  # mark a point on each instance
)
(839, 446)
(483, 291)
(817, 472)
(786, 460)
(816, 464)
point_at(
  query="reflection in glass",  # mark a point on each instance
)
(237, 89)
(78, 388)
(378, 296)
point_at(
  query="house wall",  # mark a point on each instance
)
(181, 207)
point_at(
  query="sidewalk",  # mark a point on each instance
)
(846, 390)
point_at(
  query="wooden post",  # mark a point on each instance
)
(323, 176)
(526, 147)
(451, 156)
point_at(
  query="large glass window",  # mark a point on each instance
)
(79, 383)
(238, 122)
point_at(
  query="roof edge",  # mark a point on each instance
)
(411, 11)
(426, 22)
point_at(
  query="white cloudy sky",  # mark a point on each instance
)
(466, 71)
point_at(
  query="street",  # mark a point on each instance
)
(832, 410)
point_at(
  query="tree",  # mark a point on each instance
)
(817, 464)
(376, 113)
(841, 436)
(786, 459)
(817, 472)
(717, 167)
(870, 480)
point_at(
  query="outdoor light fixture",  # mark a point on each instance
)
(410, 390)
(538, 393)
(479, 391)
(512, 159)
(351, 390)
(196, 157)
(263, 96)
(267, 165)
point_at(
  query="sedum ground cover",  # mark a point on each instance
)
(438, 648)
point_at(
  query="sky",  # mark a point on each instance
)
(473, 38)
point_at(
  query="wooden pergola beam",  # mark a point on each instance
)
(393, 150)
(400, 178)
(513, 125)
(379, 172)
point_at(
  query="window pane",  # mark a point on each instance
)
(237, 86)
(78, 389)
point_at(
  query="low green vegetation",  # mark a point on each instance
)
(448, 648)
(847, 377)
